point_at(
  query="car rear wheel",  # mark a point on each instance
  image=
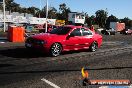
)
(56, 49)
(93, 47)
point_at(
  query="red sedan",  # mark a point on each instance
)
(65, 38)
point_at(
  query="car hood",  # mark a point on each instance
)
(46, 36)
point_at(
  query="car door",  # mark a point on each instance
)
(74, 40)
(86, 38)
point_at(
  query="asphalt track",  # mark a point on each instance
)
(20, 68)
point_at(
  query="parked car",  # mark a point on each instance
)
(109, 31)
(65, 38)
(129, 31)
(126, 31)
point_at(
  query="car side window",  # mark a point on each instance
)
(76, 32)
(86, 32)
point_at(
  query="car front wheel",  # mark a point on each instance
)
(93, 47)
(56, 49)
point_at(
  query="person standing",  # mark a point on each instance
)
(92, 28)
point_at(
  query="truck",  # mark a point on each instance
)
(114, 27)
(76, 18)
(117, 26)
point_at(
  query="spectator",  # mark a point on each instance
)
(92, 28)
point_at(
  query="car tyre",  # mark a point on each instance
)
(93, 47)
(55, 49)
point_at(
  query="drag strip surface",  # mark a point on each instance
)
(20, 68)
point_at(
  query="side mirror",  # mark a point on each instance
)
(71, 35)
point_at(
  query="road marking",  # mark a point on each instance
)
(2, 42)
(114, 87)
(103, 87)
(130, 86)
(50, 83)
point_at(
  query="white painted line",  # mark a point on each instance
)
(2, 42)
(130, 86)
(50, 83)
(103, 87)
(115, 87)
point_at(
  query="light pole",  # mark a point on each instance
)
(4, 13)
(40, 5)
(46, 16)
(40, 8)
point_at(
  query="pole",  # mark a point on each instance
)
(40, 5)
(46, 16)
(40, 8)
(4, 13)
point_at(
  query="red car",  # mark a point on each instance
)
(129, 31)
(65, 38)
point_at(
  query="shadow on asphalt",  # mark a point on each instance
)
(71, 70)
(74, 52)
(21, 53)
(6, 65)
(25, 53)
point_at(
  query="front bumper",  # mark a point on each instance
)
(39, 48)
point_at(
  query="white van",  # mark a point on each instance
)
(76, 18)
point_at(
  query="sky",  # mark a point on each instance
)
(118, 8)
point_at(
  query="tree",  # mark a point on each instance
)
(130, 22)
(40, 13)
(101, 16)
(23, 10)
(126, 20)
(32, 10)
(90, 20)
(64, 10)
(12, 6)
(52, 13)
(111, 18)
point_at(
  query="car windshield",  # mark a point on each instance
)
(60, 30)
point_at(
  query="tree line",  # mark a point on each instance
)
(100, 18)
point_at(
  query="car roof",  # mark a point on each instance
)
(73, 26)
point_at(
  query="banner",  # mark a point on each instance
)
(51, 21)
(30, 20)
(35, 20)
(8, 18)
(20, 19)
